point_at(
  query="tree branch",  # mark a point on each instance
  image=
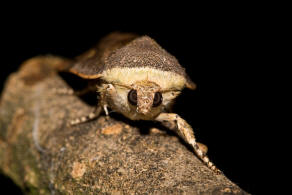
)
(44, 155)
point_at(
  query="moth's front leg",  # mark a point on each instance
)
(111, 98)
(88, 117)
(176, 123)
(107, 92)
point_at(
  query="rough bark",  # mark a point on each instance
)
(43, 155)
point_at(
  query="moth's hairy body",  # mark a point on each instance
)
(126, 76)
(140, 80)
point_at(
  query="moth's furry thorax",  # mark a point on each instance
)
(128, 76)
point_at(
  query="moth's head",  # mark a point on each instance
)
(145, 96)
(146, 99)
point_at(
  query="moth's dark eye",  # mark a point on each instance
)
(157, 99)
(132, 97)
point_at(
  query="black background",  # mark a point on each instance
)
(220, 51)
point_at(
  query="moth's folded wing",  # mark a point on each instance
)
(90, 64)
(190, 84)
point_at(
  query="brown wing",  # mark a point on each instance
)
(190, 84)
(90, 64)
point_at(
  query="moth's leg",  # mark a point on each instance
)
(107, 90)
(88, 117)
(105, 110)
(203, 147)
(175, 122)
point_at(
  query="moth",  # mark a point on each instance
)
(140, 80)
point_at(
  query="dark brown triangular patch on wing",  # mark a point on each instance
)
(91, 64)
(144, 52)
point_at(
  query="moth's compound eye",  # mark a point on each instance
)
(132, 97)
(157, 99)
